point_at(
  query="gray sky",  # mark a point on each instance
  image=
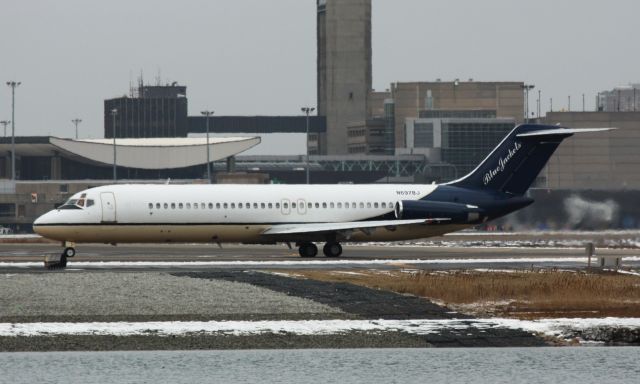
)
(248, 57)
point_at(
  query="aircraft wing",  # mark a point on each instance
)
(365, 226)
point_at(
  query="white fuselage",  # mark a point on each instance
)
(225, 213)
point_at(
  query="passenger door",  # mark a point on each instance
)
(108, 207)
(302, 207)
(285, 206)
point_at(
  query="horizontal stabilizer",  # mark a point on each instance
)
(288, 229)
(562, 131)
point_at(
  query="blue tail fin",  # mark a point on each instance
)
(516, 162)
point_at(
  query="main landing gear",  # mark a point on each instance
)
(59, 261)
(330, 249)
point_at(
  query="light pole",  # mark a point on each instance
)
(114, 115)
(208, 115)
(4, 125)
(539, 103)
(527, 88)
(76, 121)
(13, 85)
(307, 111)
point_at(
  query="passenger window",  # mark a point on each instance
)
(240, 205)
(331, 205)
(202, 206)
(150, 205)
(278, 205)
(309, 205)
(189, 206)
(361, 205)
(317, 205)
(180, 205)
(354, 205)
(166, 205)
(293, 205)
(383, 205)
(255, 205)
(173, 205)
(233, 205)
(368, 205)
(324, 205)
(262, 205)
(375, 205)
(225, 205)
(217, 205)
(391, 205)
(210, 205)
(270, 205)
(157, 204)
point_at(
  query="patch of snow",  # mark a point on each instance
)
(549, 327)
(168, 264)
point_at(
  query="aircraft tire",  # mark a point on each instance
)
(69, 252)
(308, 250)
(332, 249)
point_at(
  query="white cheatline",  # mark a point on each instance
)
(551, 327)
(324, 262)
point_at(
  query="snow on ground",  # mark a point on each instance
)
(298, 262)
(549, 327)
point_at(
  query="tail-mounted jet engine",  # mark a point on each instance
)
(420, 209)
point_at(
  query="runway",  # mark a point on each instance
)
(196, 257)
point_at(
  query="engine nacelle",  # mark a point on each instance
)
(420, 209)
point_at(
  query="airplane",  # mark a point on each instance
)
(306, 214)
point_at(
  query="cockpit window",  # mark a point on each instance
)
(80, 203)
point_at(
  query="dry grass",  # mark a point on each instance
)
(521, 294)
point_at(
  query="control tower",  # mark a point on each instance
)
(344, 67)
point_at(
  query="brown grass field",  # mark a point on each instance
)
(518, 294)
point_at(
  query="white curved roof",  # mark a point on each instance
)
(156, 153)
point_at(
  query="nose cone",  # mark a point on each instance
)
(40, 222)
